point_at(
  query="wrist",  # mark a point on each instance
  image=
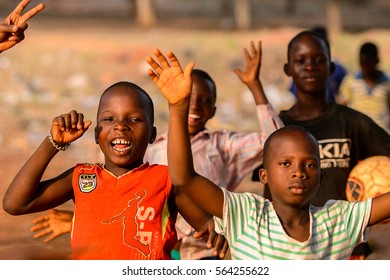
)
(60, 147)
(182, 104)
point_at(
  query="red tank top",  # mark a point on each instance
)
(124, 217)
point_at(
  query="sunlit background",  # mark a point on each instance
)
(75, 49)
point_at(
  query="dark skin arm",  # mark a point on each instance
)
(176, 84)
(380, 210)
(13, 26)
(251, 75)
(27, 193)
(191, 211)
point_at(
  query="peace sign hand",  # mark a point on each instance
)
(13, 27)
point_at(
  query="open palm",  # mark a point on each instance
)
(170, 78)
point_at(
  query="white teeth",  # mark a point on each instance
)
(120, 142)
(193, 116)
(121, 149)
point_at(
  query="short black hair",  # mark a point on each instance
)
(322, 30)
(369, 49)
(284, 129)
(132, 86)
(204, 75)
(312, 33)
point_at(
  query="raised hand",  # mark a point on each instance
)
(66, 128)
(13, 27)
(57, 223)
(169, 77)
(253, 64)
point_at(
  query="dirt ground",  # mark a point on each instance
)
(66, 65)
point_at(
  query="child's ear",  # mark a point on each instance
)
(213, 114)
(153, 135)
(263, 176)
(332, 67)
(286, 69)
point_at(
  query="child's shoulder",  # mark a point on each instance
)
(246, 197)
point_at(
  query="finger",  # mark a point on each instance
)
(238, 72)
(247, 55)
(65, 122)
(16, 38)
(8, 28)
(218, 244)
(200, 233)
(40, 219)
(257, 51)
(80, 121)
(152, 75)
(87, 124)
(32, 13)
(20, 7)
(253, 48)
(162, 59)
(259, 46)
(22, 27)
(74, 118)
(188, 69)
(173, 59)
(37, 227)
(155, 66)
(224, 250)
(51, 237)
(43, 233)
(211, 240)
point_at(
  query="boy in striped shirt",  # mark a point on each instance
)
(289, 227)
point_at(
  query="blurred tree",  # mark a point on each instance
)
(242, 14)
(334, 16)
(145, 12)
(227, 7)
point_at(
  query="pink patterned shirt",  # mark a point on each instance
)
(225, 157)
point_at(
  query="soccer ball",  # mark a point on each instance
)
(369, 178)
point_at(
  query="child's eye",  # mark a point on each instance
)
(134, 119)
(284, 163)
(311, 165)
(321, 60)
(108, 119)
(206, 101)
(300, 61)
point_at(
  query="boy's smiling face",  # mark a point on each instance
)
(202, 105)
(292, 168)
(124, 128)
(309, 64)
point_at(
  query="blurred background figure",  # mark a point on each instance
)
(368, 90)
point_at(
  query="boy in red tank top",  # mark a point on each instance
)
(124, 208)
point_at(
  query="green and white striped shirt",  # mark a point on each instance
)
(254, 231)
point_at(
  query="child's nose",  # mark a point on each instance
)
(311, 64)
(121, 125)
(195, 103)
(299, 172)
